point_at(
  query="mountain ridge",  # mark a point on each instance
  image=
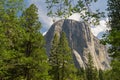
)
(82, 42)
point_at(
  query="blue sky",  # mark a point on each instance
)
(101, 4)
(47, 21)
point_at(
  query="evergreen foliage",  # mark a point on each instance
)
(91, 72)
(67, 68)
(53, 59)
(10, 37)
(34, 61)
(101, 75)
(113, 37)
(61, 59)
(81, 74)
(22, 53)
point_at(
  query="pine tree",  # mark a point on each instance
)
(53, 58)
(91, 72)
(22, 53)
(34, 62)
(101, 75)
(10, 31)
(113, 38)
(67, 69)
(81, 75)
(61, 59)
(108, 75)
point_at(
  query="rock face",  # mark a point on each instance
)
(81, 41)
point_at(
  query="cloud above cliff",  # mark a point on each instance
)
(48, 21)
(100, 29)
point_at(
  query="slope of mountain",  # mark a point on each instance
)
(81, 41)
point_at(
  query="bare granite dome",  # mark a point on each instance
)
(82, 42)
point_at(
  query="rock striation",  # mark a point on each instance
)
(81, 41)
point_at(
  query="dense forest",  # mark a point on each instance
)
(22, 46)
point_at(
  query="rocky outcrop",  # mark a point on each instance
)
(81, 41)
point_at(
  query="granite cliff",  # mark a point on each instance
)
(81, 41)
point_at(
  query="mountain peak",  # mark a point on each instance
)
(81, 41)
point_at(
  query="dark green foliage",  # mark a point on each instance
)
(81, 75)
(111, 75)
(22, 53)
(101, 75)
(10, 36)
(67, 68)
(114, 15)
(53, 59)
(34, 61)
(91, 71)
(61, 59)
(108, 75)
(113, 37)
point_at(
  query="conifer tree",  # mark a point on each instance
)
(22, 53)
(91, 72)
(10, 31)
(67, 69)
(81, 75)
(34, 61)
(61, 59)
(101, 75)
(53, 59)
(89, 69)
(113, 37)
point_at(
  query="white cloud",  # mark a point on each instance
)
(99, 30)
(48, 21)
(75, 16)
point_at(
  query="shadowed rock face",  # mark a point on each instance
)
(81, 41)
